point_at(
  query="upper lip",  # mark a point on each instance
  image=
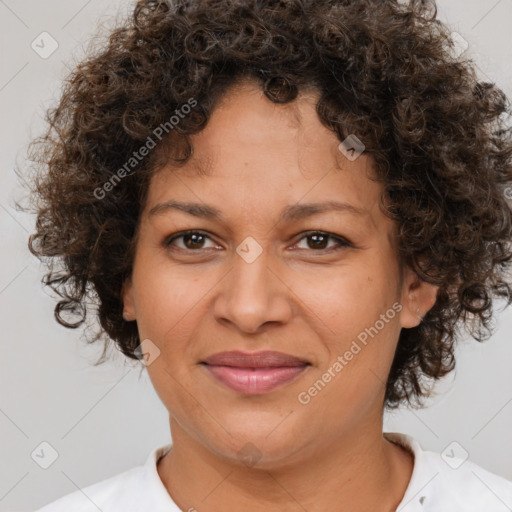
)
(264, 359)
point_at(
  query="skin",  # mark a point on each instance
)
(296, 298)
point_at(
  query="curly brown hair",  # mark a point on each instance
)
(386, 72)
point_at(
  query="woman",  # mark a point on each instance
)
(286, 210)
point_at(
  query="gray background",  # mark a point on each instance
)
(107, 419)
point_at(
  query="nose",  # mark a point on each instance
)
(253, 295)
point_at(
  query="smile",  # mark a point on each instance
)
(254, 381)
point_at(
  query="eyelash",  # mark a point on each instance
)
(342, 242)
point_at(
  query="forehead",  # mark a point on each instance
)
(260, 156)
(245, 118)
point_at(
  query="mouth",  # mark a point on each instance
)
(254, 373)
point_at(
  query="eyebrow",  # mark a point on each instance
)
(290, 213)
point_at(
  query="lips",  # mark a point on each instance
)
(254, 373)
(264, 359)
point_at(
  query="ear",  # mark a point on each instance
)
(128, 302)
(418, 297)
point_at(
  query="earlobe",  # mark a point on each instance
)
(418, 297)
(128, 305)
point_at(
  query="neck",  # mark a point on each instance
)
(351, 472)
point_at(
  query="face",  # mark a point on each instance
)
(322, 284)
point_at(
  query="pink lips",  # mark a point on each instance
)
(254, 373)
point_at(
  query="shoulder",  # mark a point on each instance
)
(98, 495)
(134, 489)
(450, 482)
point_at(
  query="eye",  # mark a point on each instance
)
(195, 240)
(319, 241)
(191, 240)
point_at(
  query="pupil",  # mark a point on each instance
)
(316, 239)
(193, 240)
(193, 236)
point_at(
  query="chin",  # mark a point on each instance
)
(260, 448)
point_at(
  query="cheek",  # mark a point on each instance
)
(172, 385)
(357, 311)
(346, 299)
(168, 297)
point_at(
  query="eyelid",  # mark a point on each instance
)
(342, 241)
(168, 240)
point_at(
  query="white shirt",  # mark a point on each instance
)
(435, 486)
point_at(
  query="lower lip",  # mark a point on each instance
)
(254, 381)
